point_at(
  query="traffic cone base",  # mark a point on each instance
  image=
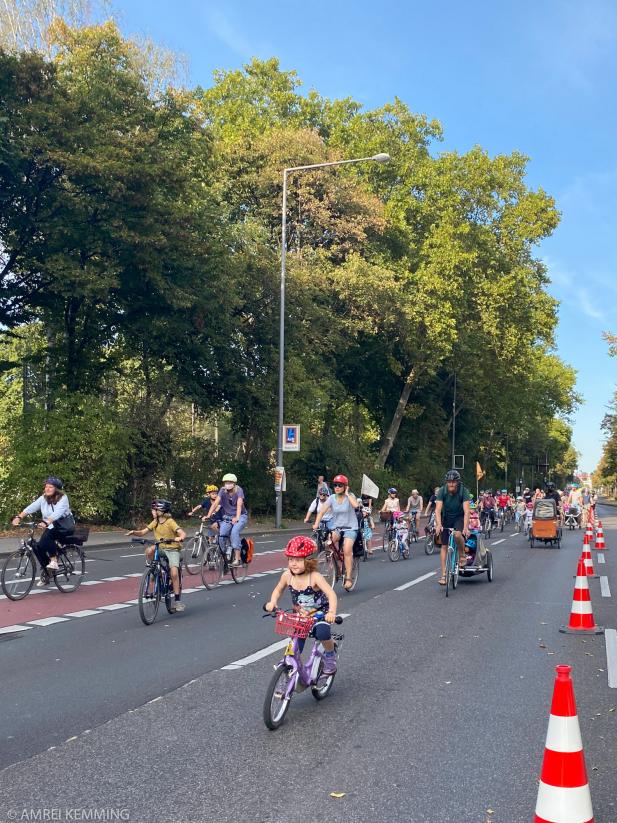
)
(563, 791)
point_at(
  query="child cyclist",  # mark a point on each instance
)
(212, 493)
(309, 590)
(165, 527)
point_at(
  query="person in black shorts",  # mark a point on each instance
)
(452, 513)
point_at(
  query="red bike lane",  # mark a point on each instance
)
(39, 605)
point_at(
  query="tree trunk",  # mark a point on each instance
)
(395, 423)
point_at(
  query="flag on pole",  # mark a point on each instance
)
(479, 472)
(369, 488)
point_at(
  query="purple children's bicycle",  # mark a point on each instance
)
(291, 674)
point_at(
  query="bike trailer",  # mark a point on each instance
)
(544, 524)
(247, 549)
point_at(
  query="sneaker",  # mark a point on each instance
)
(235, 563)
(53, 565)
(42, 581)
(179, 607)
(329, 664)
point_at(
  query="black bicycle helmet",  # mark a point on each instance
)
(161, 505)
(54, 481)
(452, 476)
(550, 487)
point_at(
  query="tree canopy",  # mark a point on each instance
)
(139, 292)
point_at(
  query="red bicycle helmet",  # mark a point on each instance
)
(340, 478)
(300, 546)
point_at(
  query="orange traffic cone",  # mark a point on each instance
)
(563, 793)
(589, 532)
(600, 544)
(588, 562)
(581, 613)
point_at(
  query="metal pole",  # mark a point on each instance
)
(454, 422)
(279, 450)
(506, 471)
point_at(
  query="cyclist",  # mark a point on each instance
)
(519, 512)
(452, 514)
(487, 508)
(164, 527)
(527, 495)
(553, 494)
(586, 503)
(415, 504)
(309, 590)
(212, 494)
(503, 501)
(56, 522)
(430, 506)
(230, 498)
(343, 522)
(318, 504)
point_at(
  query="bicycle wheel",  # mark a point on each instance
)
(150, 587)
(238, 573)
(393, 550)
(489, 566)
(364, 549)
(276, 702)
(212, 568)
(429, 546)
(455, 569)
(72, 568)
(192, 554)
(321, 688)
(326, 565)
(18, 574)
(385, 540)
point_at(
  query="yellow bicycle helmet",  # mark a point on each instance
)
(211, 488)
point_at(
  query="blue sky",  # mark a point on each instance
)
(539, 77)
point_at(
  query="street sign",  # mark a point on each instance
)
(291, 438)
(459, 461)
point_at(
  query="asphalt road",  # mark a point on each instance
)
(438, 713)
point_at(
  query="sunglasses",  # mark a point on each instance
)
(323, 495)
(339, 485)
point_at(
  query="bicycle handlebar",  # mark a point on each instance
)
(318, 615)
(147, 541)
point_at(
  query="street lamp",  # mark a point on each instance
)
(376, 158)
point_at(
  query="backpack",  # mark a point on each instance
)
(247, 549)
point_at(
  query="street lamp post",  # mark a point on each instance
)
(377, 158)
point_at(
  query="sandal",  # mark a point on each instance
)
(345, 581)
(442, 581)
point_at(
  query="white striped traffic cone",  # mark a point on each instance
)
(589, 532)
(581, 613)
(563, 793)
(600, 545)
(587, 561)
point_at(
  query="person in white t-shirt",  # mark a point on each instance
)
(318, 505)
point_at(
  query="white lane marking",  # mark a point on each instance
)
(48, 621)
(114, 606)
(90, 582)
(135, 574)
(132, 602)
(263, 542)
(140, 554)
(12, 629)
(497, 542)
(604, 587)
(610, 638)
(230, 668)
(114, 579)
(82, 613)
(413, 582)
(601, 558)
